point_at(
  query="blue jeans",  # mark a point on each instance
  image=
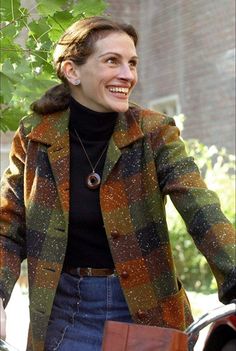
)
(80, 308)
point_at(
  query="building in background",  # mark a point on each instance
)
(187, 51)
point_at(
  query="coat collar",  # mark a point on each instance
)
(53, 127)
(127, 129)
(53, 131)
(50, 128)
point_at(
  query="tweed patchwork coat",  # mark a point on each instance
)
(146, 160)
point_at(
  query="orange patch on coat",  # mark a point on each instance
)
(133, 273)
(223, 233)
(113, 196)
(43, 274)
(172, 310)
(64, 195)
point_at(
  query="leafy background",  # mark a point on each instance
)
(28, 36)
(217, 167)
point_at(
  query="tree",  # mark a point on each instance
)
(28, 36)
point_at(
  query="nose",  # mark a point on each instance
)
(126, 73)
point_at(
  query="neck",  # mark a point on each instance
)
(91, 125)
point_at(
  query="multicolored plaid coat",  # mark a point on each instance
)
(146, 161)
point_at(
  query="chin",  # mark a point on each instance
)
(121, 108)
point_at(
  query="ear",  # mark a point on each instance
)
(71, 72)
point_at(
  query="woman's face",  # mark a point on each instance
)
(109, 74)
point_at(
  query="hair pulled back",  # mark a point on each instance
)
(77, 44)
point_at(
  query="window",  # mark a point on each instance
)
(168, 105)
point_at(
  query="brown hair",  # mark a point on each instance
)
(77, 44)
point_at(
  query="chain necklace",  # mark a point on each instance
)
(93, 180)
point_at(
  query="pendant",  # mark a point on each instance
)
(93, 180)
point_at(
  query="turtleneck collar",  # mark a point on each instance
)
(89, 124)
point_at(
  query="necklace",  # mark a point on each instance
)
(93, 180)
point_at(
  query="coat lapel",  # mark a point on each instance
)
(127, 131)
(53, 131)
(59, 157)
(113, 154)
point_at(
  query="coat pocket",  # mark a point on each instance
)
(175, 310)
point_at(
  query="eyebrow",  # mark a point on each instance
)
(116, 54)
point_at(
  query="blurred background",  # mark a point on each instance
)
(186, 70)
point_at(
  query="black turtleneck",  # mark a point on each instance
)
(87, 241)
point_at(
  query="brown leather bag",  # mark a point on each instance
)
(134, 337)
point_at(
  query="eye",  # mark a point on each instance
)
(112, 60)
(133, 63)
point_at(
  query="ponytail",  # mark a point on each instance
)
(55, 99)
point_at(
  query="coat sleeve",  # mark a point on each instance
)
(211, 231)
(12, 217)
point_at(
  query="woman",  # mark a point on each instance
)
(84, 196)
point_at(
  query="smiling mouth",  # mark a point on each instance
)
(119, 90)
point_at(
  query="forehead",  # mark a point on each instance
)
(116, 42)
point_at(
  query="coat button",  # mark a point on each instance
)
(124, 275)
(115, 234)
(141, 314)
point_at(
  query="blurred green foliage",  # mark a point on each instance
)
(218, 170)
(27, 39)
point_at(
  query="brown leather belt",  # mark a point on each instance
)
(90, 272)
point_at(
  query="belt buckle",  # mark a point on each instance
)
(89, 270)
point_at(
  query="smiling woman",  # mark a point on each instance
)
(88, 46)
(83, 199)
(108, 76)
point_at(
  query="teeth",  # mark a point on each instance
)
(119, 90)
